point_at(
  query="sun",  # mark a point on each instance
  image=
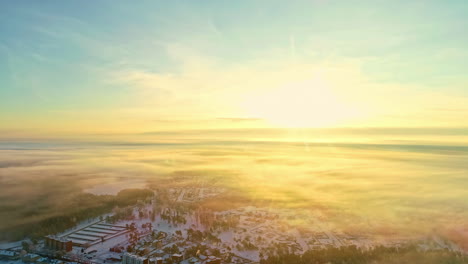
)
(309, 103)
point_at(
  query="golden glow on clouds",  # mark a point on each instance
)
(277, 90)
(301, 65)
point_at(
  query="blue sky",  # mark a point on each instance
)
(89, 61)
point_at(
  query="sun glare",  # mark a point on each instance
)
(309, 103)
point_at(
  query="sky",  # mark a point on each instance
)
(359, 107)
(87, 67)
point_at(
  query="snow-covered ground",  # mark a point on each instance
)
(246, 233)
(9, 245)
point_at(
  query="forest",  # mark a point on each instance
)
(81, 206)
(376, 255)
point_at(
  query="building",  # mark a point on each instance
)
(128, 258)
(8, 255)
(58, 244)
(177, 258)
(43, 261)
(157, 260)
(194, 260)
(213, 260)
(31, 257)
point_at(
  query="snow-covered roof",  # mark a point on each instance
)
(31, 255)
(135, 256)
(7, 253)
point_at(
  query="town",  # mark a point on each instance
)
(171, 228)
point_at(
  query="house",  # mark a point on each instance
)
(31, 257)
(157, 260)
(114, 259)
(213, 260)
(177, 257)
(42, 260)
(128, 258)
(193, 260)
(8, 255)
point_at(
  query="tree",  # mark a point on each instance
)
(25, 245)
(174, 249)
(129, 248)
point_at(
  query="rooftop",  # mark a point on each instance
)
(7, 253)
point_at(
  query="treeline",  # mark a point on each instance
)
(76, 209)
(377, 255)
(199, 236)
(132, 196)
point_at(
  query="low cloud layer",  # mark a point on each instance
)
(357, 186)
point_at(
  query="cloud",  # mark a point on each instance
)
(382, 183)
(203, 85)
(239, 119)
